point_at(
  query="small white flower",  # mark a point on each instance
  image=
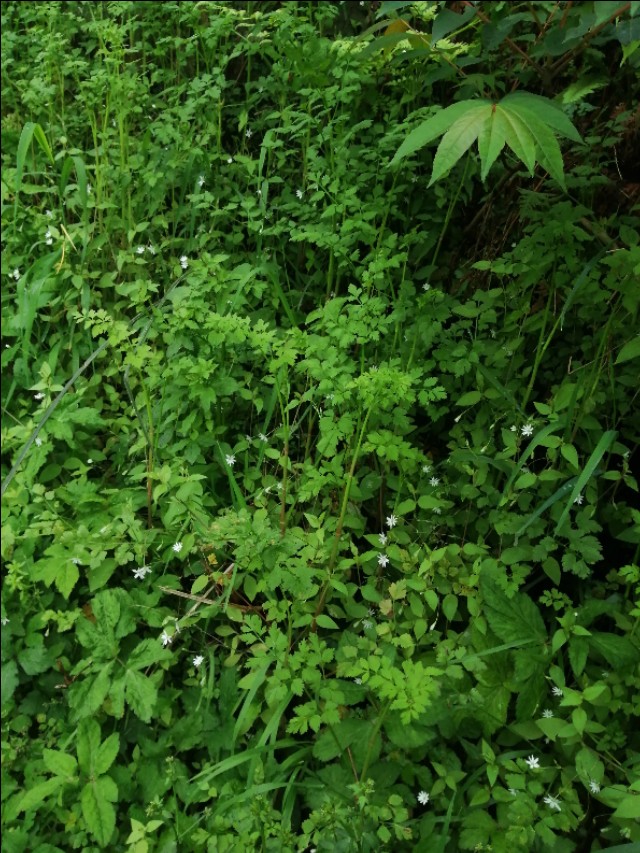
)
(279, 487)
(201, 181)
(382, 560)
(177, 547)
(197, 661)
(426, 469)
(532, 761)
(383, 538)
(299, 193)
(229, 159)
(140, 250)
(38, 442)
(552, 802)
(604, 674)
(48, 214)
(391, 521)
(151, 249)
(426, 287)
(5, 621)
(230, 459)
(141, 572)
(356, 680)
(513, 428)
(48, 239)
(38, 396)
(89, 189)
(16, 274)
(547, 713)
(263, 437)
(579, 499)
(437, 510)
(423, 798)
(184, 262)
(557, 692)
(527, 429)
(414, 179)
(367, 623)
(248, 133)
(434, 481)
(594, 787)
(166, 639)
(75, 561)
(513, 792)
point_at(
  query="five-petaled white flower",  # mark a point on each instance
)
(356, 680)
(38, 442)
(140, 250)
(177, 547)
(48, 214)
(184, 262)
(532, 761)
(426, 287)
(5, 621)
(423, 798)
(513, 792)
(426, 469)
(547, 713)
(141, 572)
(552, 802)
(248, 133)
(579, 499)
(594, 787)
(48, 239)
(367, 623)
(166, 639)
(383, 538)
(382, 560)
(201, 181)
(16, 274)
(557, 692)
(197, 661)
(299, 193)
(229, 159)
(263, 437)
(230, 459)
(434, 481)
(38, 396)
(391, 521)
(527, 429)
(151, 249)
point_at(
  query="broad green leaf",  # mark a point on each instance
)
(548, 112)
(98, 813)
(107, 753)
(29, 131)
(617, 651)
(432, 128)
(146, 654)
(87, 696)
(469, 399)
(88, 744)
(9, 680)
(141, 694)
(512, 619)
(458, 139)
(38, 793)
(589, 766)
(630, 350)
(492, 139)
(547, 148)
(59, 763)
(519, 139)
(325, 621)
(67, 577)
(629, 808)
(578, 653)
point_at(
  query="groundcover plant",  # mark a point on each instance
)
(320, 358)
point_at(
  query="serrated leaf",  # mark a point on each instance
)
(88, 744)
(431, 129)
(519, 140)
(512, 619)
(67, 576)
(141, 694)
(106, 753)
(9, 680)
(88, 695)
(547, 148)
(458, 139)
(38, 793)
(59, 763)
(146, 654)
(617, 651)
(98, 813)
(491, 140)
(578, 653)
(548, 112)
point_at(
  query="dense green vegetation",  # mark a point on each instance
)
(320, 411)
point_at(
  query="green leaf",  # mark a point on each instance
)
(606, 440)
(325, 621)
(589, 766)
(88, 744)
(458, 139)
(147, 653)
(66, 578)
(512, 619)
(469, 399)
(547, 148)
(37, 794)
(59, 763)
(141, 694)
(492, 139)
(9, 680)
(629, 808)
(431, 129)
(630, 350)
(519, 139)
(617, 651)
(106, 754)
(547, 112)
(578, 653)
(98, 813)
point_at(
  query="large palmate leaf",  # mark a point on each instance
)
(528, 124)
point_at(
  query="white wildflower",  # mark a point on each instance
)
(5, 621)
(382, 560)
(299, 193)
(38, 442)
(177, 547)
(75, 561)
(201, 181)
(527, 430)
(391, 521)
(367, 623)
(263, 437)
(423, 798)
(166, 639)
(48, 214)
(579, 499)
(547, 714)
(426, 287)
(594, 787)
(512, 428)
(248, 133)
(426, 469)
(141, 572)
(151, 249)
(434, 481)
(552, 802)
(557, 692)
(513, 792)
(16, 274)
(383, 538)
(229, 159)
(184, 262)
(533, 762)
(38, 396)
(140, 250)
(230, 459)
(198, 660)
(356, 680)
(48, 239)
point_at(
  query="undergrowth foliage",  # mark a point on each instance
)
(320, 525)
